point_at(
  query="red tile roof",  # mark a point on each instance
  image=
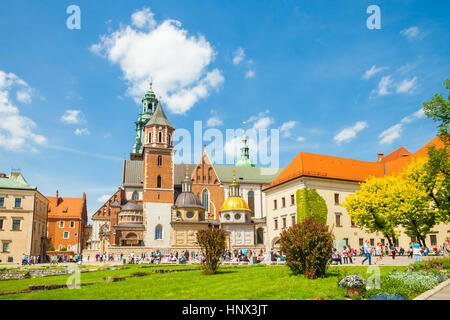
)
(66, 208)
(316, 165)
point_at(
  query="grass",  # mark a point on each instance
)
(253, 282)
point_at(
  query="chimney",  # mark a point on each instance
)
(380, 156)
(57, 197)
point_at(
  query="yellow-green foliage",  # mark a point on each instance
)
(311, 204)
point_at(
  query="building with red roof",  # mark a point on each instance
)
(67, 219)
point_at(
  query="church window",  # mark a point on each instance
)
(178, 214)
(159, 161)
(158, 182)
(158, 232)
(169, 139)
(205, 200)
(150, 137)
(260, 236)
(227, 216)
(135, 196)
(160, 136)
(190, 215)
(237, 216)
(251, 202)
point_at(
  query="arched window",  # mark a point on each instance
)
(205, 200)
(158, 232)
(135, 196)
(169, 139)
(150, 137)
(251, 202)
(158, 182)
(159, 161)
(260, 236)
(160, 136)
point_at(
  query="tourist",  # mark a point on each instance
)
(416, 252)
(393, 251)
(402, 251)
(446, 248)
(345, 253)
(366, 248)
(379, 253)
(336, 256)
(350, 254)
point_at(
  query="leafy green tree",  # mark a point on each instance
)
(370, 207)
(311, 204)
(212, 244)
(437, 179)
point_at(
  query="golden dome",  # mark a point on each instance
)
(234, 204)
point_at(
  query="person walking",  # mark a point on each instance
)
(416, 252)
(366, 248)
(379, 253)
(393, 251)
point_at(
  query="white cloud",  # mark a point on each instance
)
(349, 133)
(300, 139)
(214, 122)
(103, 198)
(407, 85)
(389, 135)
(82, 132)
(238, 56)
(286, 128)
(394, 132)
(176, 61)
(250, 74)
(410, 33)
(143, 19)
(16, 131)
(261, 120)
(372, 71)
(384, 85)
(72, 117)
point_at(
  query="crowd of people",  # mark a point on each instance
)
(377, 253)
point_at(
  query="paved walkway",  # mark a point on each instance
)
(443, 294)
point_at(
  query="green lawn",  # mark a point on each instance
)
(253, 282)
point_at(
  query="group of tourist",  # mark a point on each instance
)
(379, 251)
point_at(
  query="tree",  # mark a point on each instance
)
(411, 201)
(212, 244)
(311, 204)
(308, 246)
(437, 169)
(371, 207)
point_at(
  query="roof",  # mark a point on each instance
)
(159, 118)
(133, 172)
(263, 175)
(397, 154)
(15, 180)
(180, 172)
(234, 204)
(188, 200)
(316, 165)
(66, 208)
(132, 206)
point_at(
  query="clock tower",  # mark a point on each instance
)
(158, 195)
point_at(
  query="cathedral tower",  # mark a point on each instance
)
(158, 195)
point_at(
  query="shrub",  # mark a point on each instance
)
(417, 282)
(389, 287)
(212, 244)
(307, 246)
(140, 274)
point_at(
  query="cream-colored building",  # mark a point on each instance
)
(334, 179)
(23, 219)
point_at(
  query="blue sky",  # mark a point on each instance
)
(309, 68)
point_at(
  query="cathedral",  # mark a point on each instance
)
(160, 205)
